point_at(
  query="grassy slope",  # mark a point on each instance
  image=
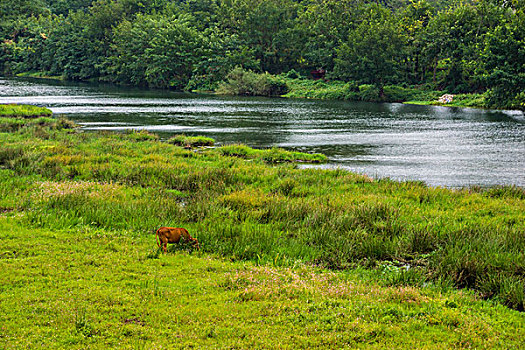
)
(100, 289)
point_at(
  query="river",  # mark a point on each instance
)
(442, 146)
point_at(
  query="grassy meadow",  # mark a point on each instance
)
(290, 258)
(93, 288)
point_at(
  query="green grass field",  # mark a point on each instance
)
(88, 288)
(290, 258)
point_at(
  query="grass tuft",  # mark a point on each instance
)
(191, 141)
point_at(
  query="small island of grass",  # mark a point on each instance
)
(23, 111)
(14, 117)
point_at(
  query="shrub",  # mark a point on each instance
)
(248, 83)
(396, 93)
(368, 93)
(292, 74)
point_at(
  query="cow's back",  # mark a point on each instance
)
(172, 234)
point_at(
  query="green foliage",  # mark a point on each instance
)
(503, 62)
(368, 92)
(323, 33)
(153, 51)
(460, 47)
(267, 26)
(372, 52)
(248, 83)
(338, 90)
(318, 89)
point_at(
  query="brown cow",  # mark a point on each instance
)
(173, 235)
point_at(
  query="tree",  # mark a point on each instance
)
(156, 51)
(504, 63)
(452, 42)
(265, 26)
(373, 50)
(414, 21)
(325, 25)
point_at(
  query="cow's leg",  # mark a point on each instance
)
(163, 243)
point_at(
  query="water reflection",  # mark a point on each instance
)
(442, 146)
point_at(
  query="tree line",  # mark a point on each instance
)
(454, 46)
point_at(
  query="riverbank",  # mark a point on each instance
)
(285, 87)
(40, 75)
(241, 82)
(78, 211)
(244, 207)
(300, 88)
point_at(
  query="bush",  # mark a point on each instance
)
(292, 74)
(368, 93)
(247, 83)
(396, 93)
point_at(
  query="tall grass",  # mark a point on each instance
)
(254, 205)
(189, 141)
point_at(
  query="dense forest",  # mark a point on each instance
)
(475, 46)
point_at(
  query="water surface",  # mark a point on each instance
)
(441, 146)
